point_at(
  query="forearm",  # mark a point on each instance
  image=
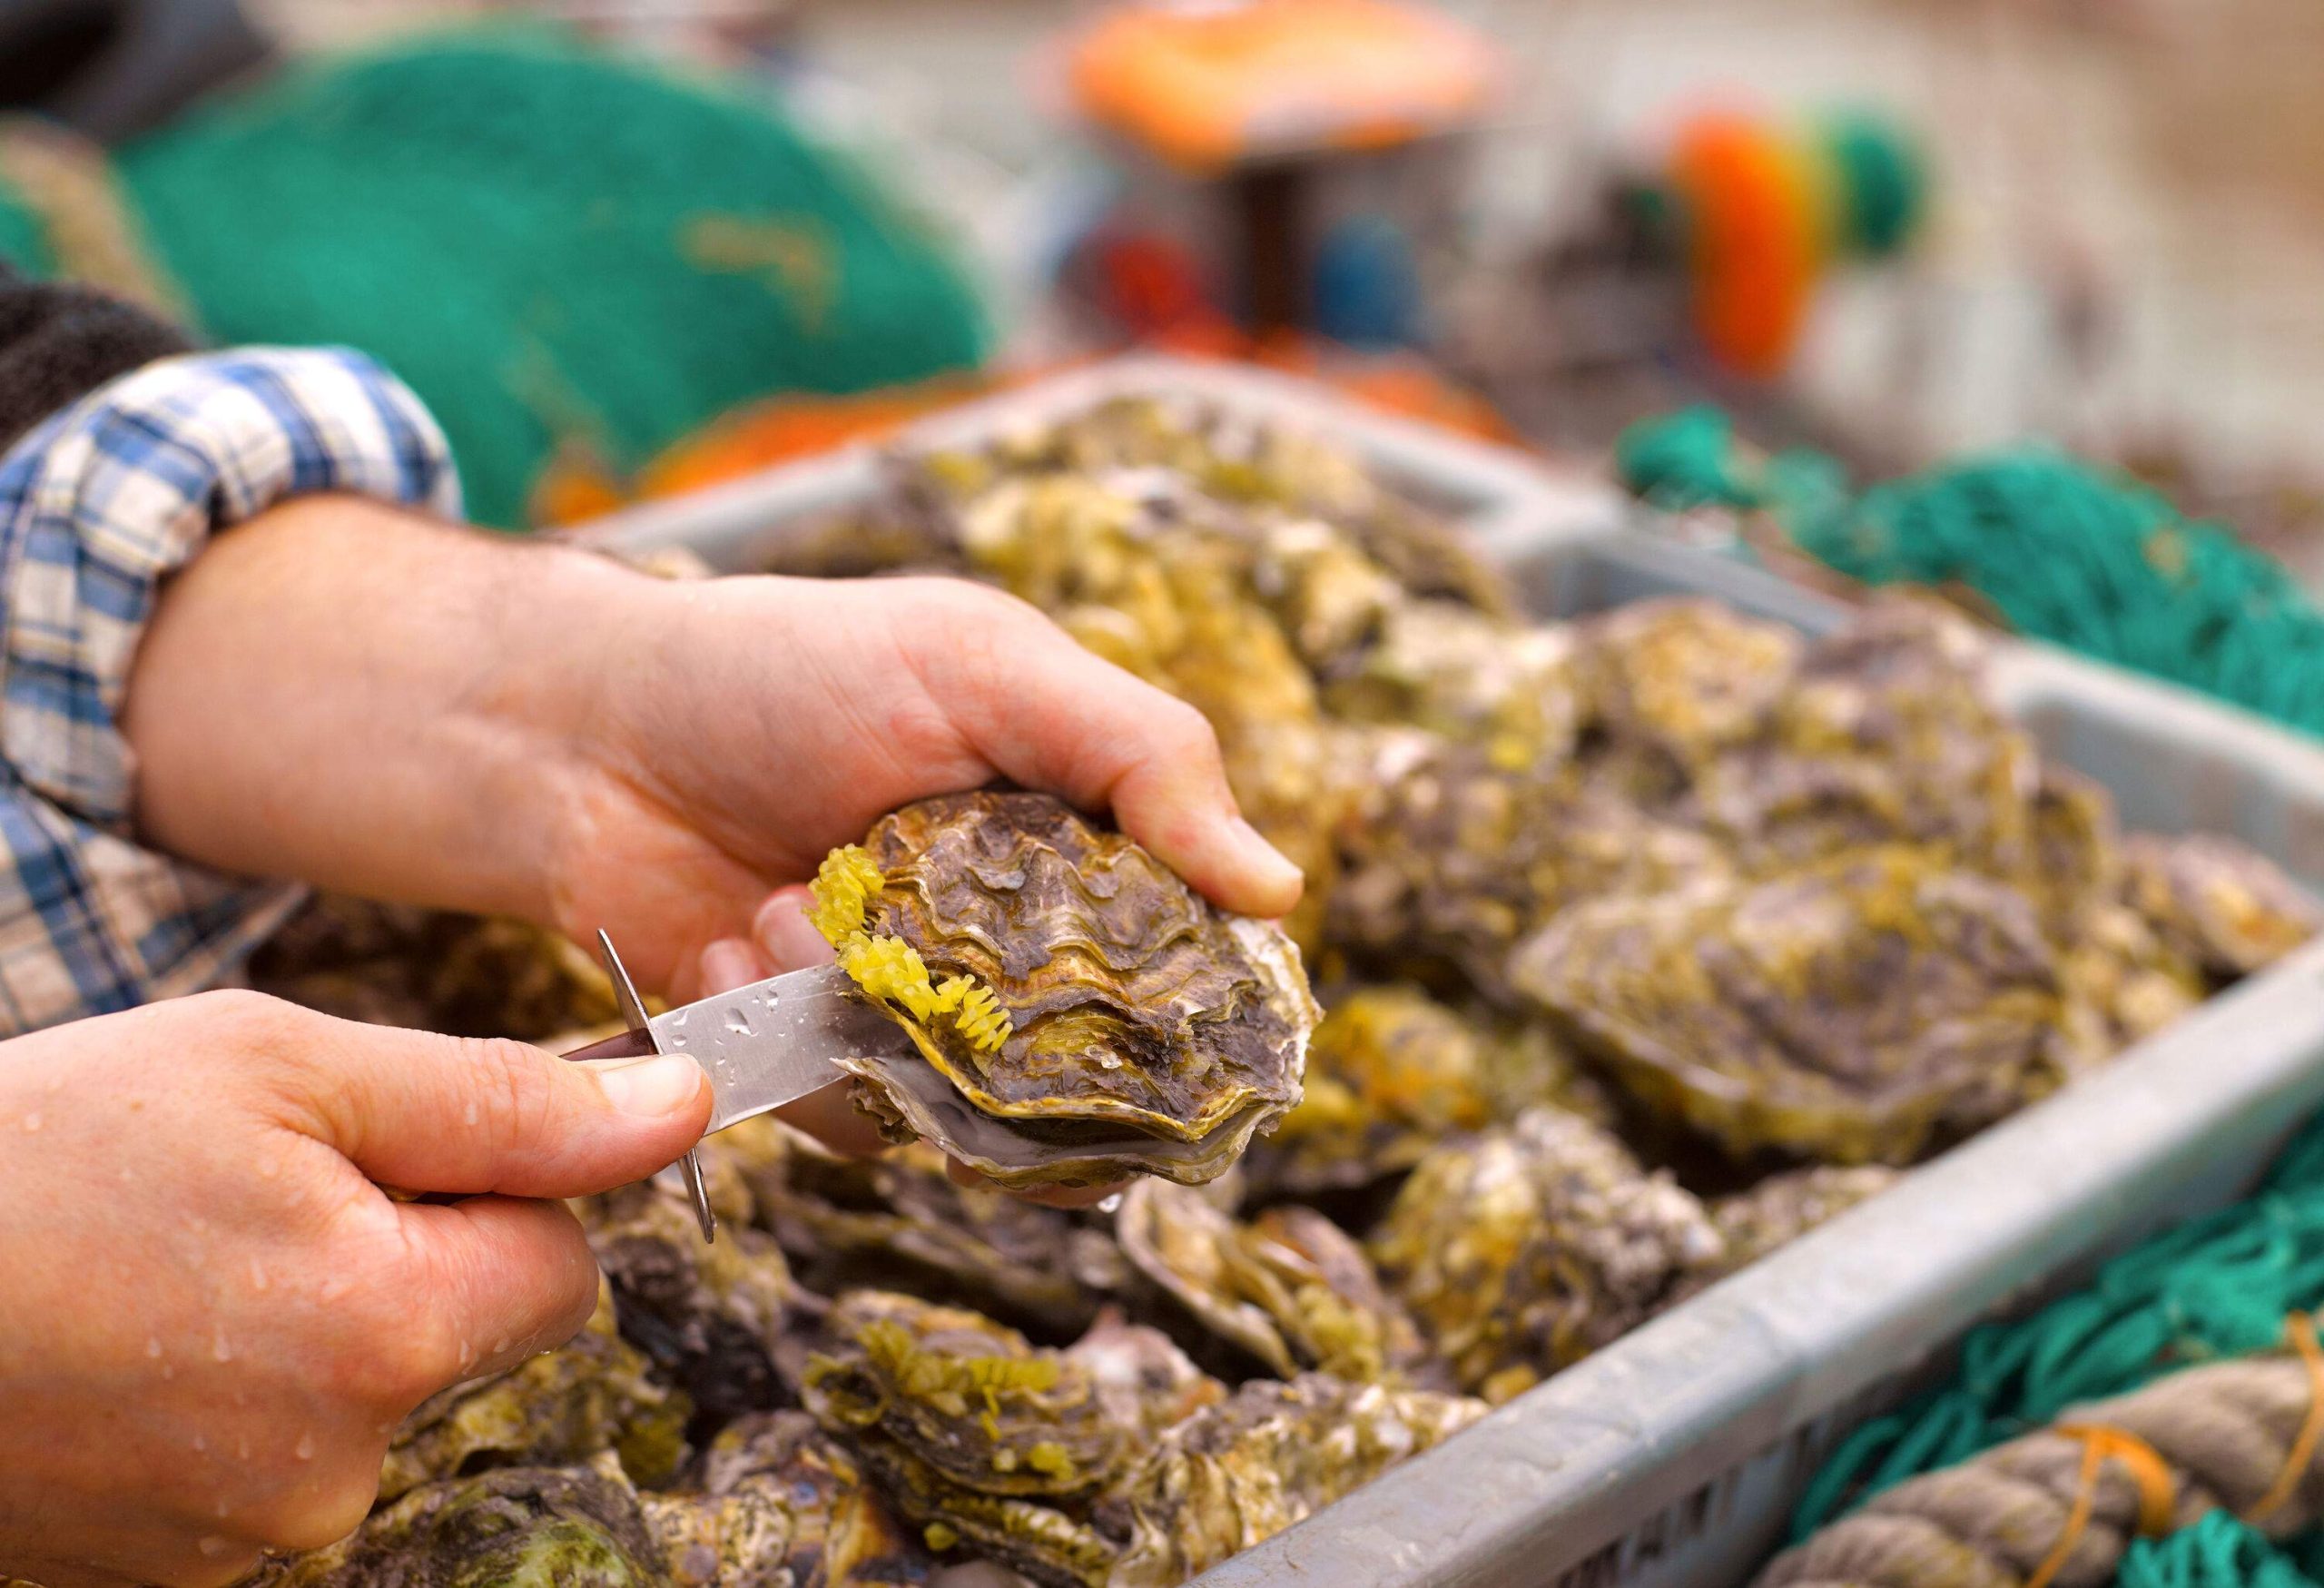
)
(347, 693)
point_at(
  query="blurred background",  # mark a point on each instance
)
(625, 247)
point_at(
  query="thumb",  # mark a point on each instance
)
(470, 1116)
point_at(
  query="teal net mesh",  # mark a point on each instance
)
(555, 248)
(2064, 551)
(2218, 1287)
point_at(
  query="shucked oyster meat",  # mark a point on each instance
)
(1079, 1012)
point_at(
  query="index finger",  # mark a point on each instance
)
(1049, 714)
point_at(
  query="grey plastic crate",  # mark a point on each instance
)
(1670, 1459)
(1501, 497)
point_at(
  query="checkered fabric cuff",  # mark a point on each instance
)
(97, 507)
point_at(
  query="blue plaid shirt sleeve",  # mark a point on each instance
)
(97, 506)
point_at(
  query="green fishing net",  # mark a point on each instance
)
(2064, 551)
(560, 251)
(2218, 1551)
(2218, 1287)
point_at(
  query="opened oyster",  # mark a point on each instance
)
(1082, 1014)
(1854, 1010)
(591, 1395)
(1523, 1250)
(1289, 1287)
(1273, 1456)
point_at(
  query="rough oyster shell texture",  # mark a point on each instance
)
(1110, 1021)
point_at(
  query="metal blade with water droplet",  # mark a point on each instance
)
(776, 1041)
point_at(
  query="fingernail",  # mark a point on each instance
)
(728, 963)
(1267, 865)
(786, 934)
(651, 1087)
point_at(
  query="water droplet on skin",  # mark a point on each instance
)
(305, 1449)
(501, 1345)
(32, 1121)
(169, 1371)
(220, 1346)
(200, 1443)
(127, 1174)
(211, 1544)
(333, 1289)
(258, 1277)
(153, 1346)
(242, 1448)
(219, 1509)
(470, 1112)
(738, 1022)
(267, 1168)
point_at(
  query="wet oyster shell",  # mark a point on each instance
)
(978, 1436)
(1687, 676)
(1288, 1288)
(593, 1394)
(1522, 1249)
(1145, 1031)
(574, 1526)
(1273, 1456)
(714, 1316)
(777, 1503)
(1854, 1010)
(901, 1220)
(2217, 902)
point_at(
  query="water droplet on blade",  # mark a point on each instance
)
(738, 1022)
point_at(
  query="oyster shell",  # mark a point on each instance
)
(778, 1504)
(1273, 1456)
(713, 1316)
(1778, 1210)
(1852, 1010)
(591, 1394)
(2220, 905)
(1453, 862)
(901, 1220)
(1082, 1014)
(1687, 678)
(431, 969)
(1522, 1249)
(1288, 1288)
(977, 1435)
(576, 1527)
(1455, 671)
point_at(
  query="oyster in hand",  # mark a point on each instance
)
(1852, 1009)
(1288, 1288)
(1522, 1250)
(1079, 1012)
(1275, 1454)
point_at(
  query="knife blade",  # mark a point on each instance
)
(766, 1044)
(762, 1046)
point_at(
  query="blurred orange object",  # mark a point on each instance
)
(1207, 86)
(781, 430)
(1757, 244)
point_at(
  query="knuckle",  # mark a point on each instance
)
(508, 1097)
(255, 1018)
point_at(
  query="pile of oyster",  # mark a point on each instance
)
(1643, 944)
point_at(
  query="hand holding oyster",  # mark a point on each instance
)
(1079, 1012)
